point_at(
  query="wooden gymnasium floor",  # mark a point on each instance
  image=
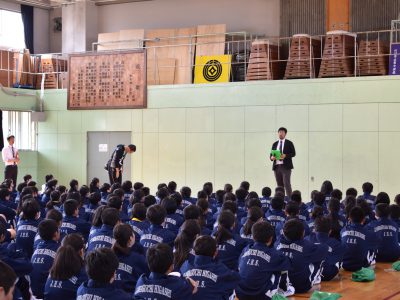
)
(385, 287)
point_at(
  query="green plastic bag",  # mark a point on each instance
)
(276, 153)
(278, 297)
(396, 266)
(317, 295)
(363, 275)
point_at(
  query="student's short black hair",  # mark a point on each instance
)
(327, 187)
(136, 197)
(367, 187)
(146, 191)
(228, 196)
(47, 228)
(27, 177)
(351, 192)
(161, 185)
(110, 216)
(266, 191)
(105, 187)
(219, 196)
(156, 214)
(356, 214)
(20, 186)
(138, 186)
(160, 258)
(292, 209)
(280, 189)
(293, 229)
(32, 183)
(319, 199)
(74, 240)
(114, 186)
(30, 208)
(202, 194)
(55, 196)
(245, 185)
(208, 188)
(94, 198)
(334, 205)
(228, 188)
(127, 186)
(203, 204)
(172, 186)
(101, 265)
(149, 200)
(252, 194)
(115, 202)
(336, 193)
(54, 214)
(253, 202)
(170, 205)
(4, 193)
(163, 193)
(7, 277)
(230, 205)
(70, 206)
(178, 198)
(262, 232)
(241, 194)
(322, 224)
(139, 211)
(382, 210)
(394, 211)
(96, 219)
(76, 196)
(205, 245)
(277, 203)
(282, 129)
(382, 197)
(296, 196)
(317, 212)
(191, 212)
(186, 192)
(132, 147)
(397, 199)
(119, 192)
(48, 177)
(61, 188)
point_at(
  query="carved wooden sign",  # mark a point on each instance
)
(107, 80)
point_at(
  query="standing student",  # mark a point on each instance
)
(7, 281)
(260, 265)
(11, 160)
(101, 266)
(116, 162)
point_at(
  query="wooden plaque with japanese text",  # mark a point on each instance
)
(107, 80)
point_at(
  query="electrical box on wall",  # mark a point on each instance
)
(38, 116)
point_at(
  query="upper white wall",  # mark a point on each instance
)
(255, 16)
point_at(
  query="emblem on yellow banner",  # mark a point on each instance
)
(210, 69)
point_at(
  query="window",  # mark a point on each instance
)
(11, 30)
(20, 124)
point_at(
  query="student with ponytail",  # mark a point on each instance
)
(254, 215)
(184, 243)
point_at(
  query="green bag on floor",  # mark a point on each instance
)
(396, 266)
(363, 275)
(278, 297)
(324, 296)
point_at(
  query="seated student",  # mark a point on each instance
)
(52, 214)
(103, 238)
(326, 189)
(214, 280)
(94, 185)
(139, 223)
(101, 266)
(241, 195)
(318, 200)
(333, 261)
(131, 264)
(206, 213)
(193, 212)
(96, 221)
(229, 244)
(173, 221)
(162, 193)
(387, 234)
(303, 212)
(8, 213)
(7, 281)
(67, 272)
(55, 202)
(27, 226)
(156, 233)
(186, 193)
(252, 202)
(360, 242)
(317, 212)
(127, 186)
(159, 284)
(255, 214)
(5, 199)
(71, 222)
(275, 214)
(105, 189)
(260, 265)
(367, 188)
(94, 199)
(183, 245)
(338, 221)
(116, 202)
(266, 198)
(43, 257)
(395, 216)
(305, 256)
(178, 199)
(292, 212)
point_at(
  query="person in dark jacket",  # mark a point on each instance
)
(103, 238)
(71, 222)
(115, 164)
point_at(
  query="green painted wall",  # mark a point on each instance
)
(344, 129)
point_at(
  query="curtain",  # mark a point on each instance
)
(27, 19)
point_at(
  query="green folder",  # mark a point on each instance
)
(276, 154)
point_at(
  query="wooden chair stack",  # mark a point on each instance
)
(338, 56)
(372, 58)
(263, 62)
(304, 57)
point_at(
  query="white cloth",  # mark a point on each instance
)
(7, 154)
(280, 162)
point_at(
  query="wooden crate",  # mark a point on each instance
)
(263, 62)
(372, 58)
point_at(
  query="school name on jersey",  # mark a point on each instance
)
(276, 218)
(155, 289)
(258, 253)
(27, 228)
(292, 246)
(137, 230)
(125, 268)
(152, 237)
(354, 233)
(201, 273)
(89, 297)
(68, 225)
(385, 227)
(102, 238)
(170, 221)
(47, 252)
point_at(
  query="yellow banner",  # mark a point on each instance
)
(212, 69)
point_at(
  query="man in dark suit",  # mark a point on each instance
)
(283, 167)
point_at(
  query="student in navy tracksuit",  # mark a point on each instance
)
(156, 233)
(104, 236)
(71, 222)
(305, 256)
(214, 280)
(139, 223)
(131, 264)
(101, 265)
(318, 200)
(27, 226)
(229, 244)
(292, 212)
(94, 200)
(360, 242)
(159, 284)
(254, 202)
(333, 262)
(186, 193)
(367, 188)
(317, 212)
(395, 216)
(7, 282)
(67, 272)
(116, 202)
(266, 198)
(275, 214)
(43, 257)
(183, 245)
(5, 199)
(260, 265)
(206, 213)
(387, 233)
(304, 215)
(255, 214)
(52, 214)
(173, 221)
(105, 189)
